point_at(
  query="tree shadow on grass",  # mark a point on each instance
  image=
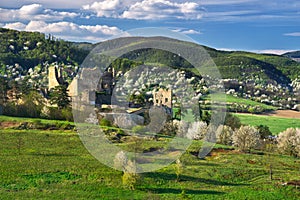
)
(166, 176)
(179, 191)
(52, 154)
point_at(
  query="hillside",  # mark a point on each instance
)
(271, 79)
(29, 49)
(54, 164)
(295, 55)
(22, 51)
(32, 48)
(264, 78)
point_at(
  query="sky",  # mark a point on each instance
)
(264, 26)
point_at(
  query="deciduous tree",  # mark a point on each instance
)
(246, 138)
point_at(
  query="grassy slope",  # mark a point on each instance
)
(276, 124)
(23, 119)
(231, 99)
(55, 165)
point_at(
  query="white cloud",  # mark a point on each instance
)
(16, 26)
(226, 2)
(295, 34)
(69, 30)
(106, 8)
(53, 4)
(33, 12)
(33, 9)
(187, 31)
(146, 9)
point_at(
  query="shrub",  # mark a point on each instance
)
(67, 114)
(53, 113)
(138, 130)
(183, 126)
(246, 138)
(130, 176)
(289, 142)
(232, 121)
(178, 169)
(264, 131)
(224, 135)
(197, 130)
(170, 128)
(120, 161)
(104, 122)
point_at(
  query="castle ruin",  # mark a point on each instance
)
(162, 97)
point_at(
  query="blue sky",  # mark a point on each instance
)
(253, 25)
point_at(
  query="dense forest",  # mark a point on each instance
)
(30, 49)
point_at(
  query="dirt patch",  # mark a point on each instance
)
(279, 113)
(9, 124)
(284, 114)
(216, 152)
(292, 183)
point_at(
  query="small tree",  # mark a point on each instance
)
(137, 99)
(246, 138)
(130, 176)
(264, 131)
(224, 135)
(104, 122)
(170, 128)
(120, 161)
(59, 96)
(33, 103)
(232, 121)
(289, 142)
(197, 130)
(178, 169)
(3, 90)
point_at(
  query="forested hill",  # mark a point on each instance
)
(232, 64)
(295, 55)
(30, 49)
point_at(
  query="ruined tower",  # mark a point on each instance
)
(162, 97)
(54, 77)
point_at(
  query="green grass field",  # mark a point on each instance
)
(44, 164)
(231, 99)
(276, 124)
(23, 119)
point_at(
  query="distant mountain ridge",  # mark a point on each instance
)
(295, 55)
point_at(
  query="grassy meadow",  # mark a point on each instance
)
(53, 164)
(276, 124)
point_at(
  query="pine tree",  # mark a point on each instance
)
(59, 96)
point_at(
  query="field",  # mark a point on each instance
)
(53, 164)
(232, 99)
(235, 104)
(276, 124)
